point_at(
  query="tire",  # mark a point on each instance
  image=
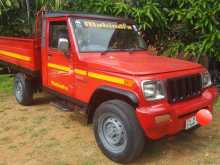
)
(23, 90)
(128, 141)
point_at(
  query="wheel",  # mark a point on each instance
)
(117, 131)
(22, 90)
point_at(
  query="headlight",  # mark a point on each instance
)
(153, 90)
(206, 80)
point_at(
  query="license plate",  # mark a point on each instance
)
(191, 122)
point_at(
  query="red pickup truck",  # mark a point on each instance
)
(101, 64)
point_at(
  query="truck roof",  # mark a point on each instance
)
(89, 16)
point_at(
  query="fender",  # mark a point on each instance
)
(111, 93)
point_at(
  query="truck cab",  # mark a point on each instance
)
(75, 46)
(102, 64)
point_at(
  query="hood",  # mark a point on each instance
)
(137, 63)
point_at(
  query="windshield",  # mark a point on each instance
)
(100, 36)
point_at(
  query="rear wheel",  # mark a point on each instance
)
(22, 89)
(117, 131)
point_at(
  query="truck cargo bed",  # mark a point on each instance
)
(20, 53)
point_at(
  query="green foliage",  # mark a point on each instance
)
(51, 4)
(189, 27)
(13, 18)
(6, 84)
(196, 25)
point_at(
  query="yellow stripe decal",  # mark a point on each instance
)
(80, 72)
(59, 67)
(15, 55)
(107, 78)
(58, 85)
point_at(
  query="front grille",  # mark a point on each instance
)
(182, 88)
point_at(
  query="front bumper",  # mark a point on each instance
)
(178, 112)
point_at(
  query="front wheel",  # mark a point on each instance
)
(117, 131)
(22, 89)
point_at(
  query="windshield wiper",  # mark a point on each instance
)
(129, 50)
(109, 50)
(136, 49)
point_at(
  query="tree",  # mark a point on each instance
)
(194, 28)
(189, 27)
(13, 17)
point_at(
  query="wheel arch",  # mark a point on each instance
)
(105, 93)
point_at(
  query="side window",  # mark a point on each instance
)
(58, 32)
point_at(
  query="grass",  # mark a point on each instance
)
(6, 84)
(217, 105)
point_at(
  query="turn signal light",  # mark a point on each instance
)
(129, 83)
(162, 118)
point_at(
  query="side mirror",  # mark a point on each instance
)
(63, 45)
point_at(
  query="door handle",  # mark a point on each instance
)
(49, 56)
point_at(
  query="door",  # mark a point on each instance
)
(60, 63)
